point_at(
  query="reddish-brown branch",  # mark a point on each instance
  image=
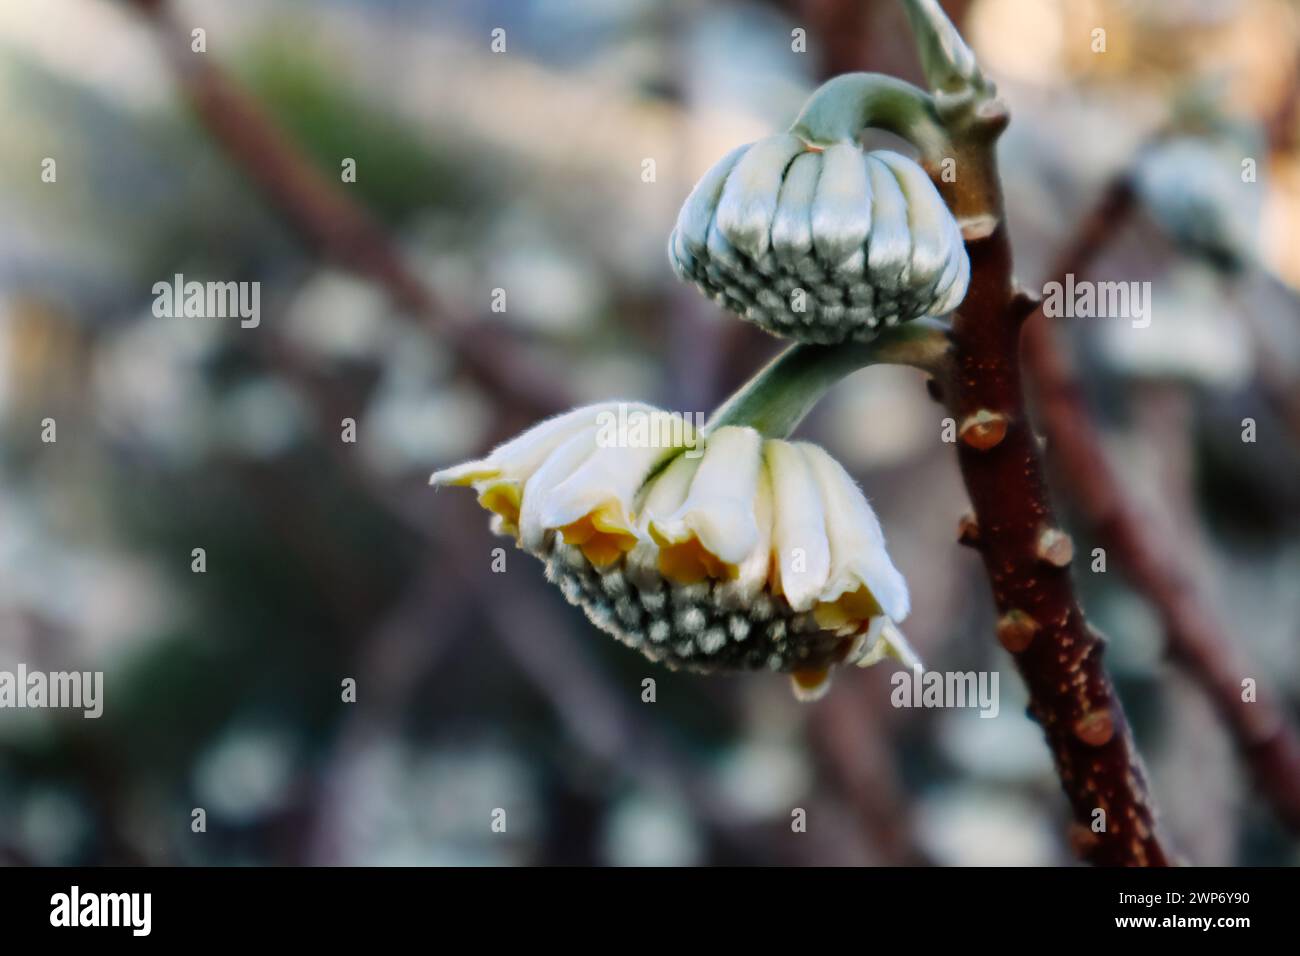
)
(1040, 622)
(330, 223)
(1057, 654)
(1194, 634)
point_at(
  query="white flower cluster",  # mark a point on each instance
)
(758, 553)
(820, 245)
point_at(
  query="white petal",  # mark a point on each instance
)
(960, 287)
(899, 648)
(792, 240)
(841, 212)
(949, 294)
(755, 567)
(697, 212)
(559, 465)
(882, 639)
(857, 543)
(719, 510)
(928, 219)
(519, 457)
(951, 286)
(465, 474)
(748, 201)
(680, 257)
(798, 525)
(889, 251)
(635, 424)
(611, 474)
(668, 490)
(662, 495)
(721, 250)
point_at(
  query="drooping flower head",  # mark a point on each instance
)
(704, 552)
(820, 245)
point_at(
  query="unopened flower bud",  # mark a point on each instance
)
(821, 245)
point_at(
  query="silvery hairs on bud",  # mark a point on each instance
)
(820, 245)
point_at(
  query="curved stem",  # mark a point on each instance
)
(776, 400)
(843, 107)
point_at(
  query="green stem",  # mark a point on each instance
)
(843, 107)
(776, 400)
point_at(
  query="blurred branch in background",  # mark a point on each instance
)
(336, 227)
(852, 735)
(399, 654)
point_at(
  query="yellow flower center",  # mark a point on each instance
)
(602, 535)
(689, 562)
(502, 499)
(810, 680)
(850, 610)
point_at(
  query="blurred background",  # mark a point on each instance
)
(523, 170)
